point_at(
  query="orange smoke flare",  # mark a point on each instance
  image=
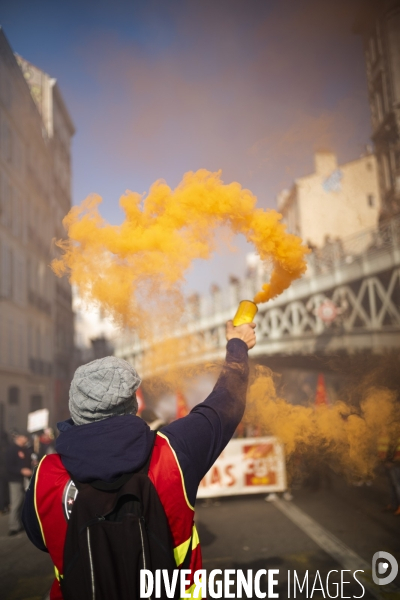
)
(150, 252)
(346, 434)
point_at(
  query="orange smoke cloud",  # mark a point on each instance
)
(347, 435)
(127, 268)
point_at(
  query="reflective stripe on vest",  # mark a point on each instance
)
(396, 455)
(51, 479)
(166, 475)
(383, 446)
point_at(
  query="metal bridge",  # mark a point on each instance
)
(347, 302)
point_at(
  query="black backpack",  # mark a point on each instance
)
(115, 530)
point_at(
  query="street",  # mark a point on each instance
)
(200, 238)
(250, 533)
(25, 572)
(338, 528)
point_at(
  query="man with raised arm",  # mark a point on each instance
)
(105, 440)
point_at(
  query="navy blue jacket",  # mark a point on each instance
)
(108, 448)
(17, 458)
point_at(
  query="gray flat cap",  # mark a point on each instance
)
(103, 388)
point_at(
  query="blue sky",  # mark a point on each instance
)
(156, 88)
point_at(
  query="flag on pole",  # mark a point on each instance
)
(181, 405)
(321, 397)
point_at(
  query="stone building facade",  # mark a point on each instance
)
(379, 26)
(36, 318)
(334, 201)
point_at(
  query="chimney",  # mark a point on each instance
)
(325, 163)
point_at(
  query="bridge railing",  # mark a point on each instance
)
(339, 252)
(371, 306)
(322, 261)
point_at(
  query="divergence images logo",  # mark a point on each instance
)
(382, 568)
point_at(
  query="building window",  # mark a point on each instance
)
(11, 343)
(7, 142)
(13, 395)
(36, 402)
(38, 343)
(6, 272)
(6, 203)
(371, 200)
(13, 404)
(21, 347)
(379, 40)
(2, 424)
(378, 107)
(372, 49)
(386, 172)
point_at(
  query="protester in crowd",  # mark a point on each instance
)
(4, 493)
(43, 444)
(389, 454)
(105, 439)
(18, 463)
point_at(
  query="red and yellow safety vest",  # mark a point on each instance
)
(386, 447)
(383, 446)
(165, 473)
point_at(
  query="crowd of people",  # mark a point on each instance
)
(389, 455)
(21, 452)
(19, 455)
